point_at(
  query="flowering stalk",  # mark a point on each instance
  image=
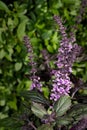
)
(35, 79)
(66, 57)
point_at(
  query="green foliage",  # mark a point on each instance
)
(38, 110)
(45, 127)
(10, 122)
(62, 105)
(65, 120)
(21, 29)
(78, 110)
(35, 18)
(4, 7)
(34, 96)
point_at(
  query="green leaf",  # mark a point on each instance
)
(73, 12)
(78, 110)
(10, 122)
(34, 96)
(13, 104)
(62, 105)
(54, 38)
(18, 48)
(21, 29)
(33, 17)
(45, 91)
(50, 48)
(2, 54)
(65, 120)
(38, 110)
(4, 7)
(1, 39)
(2, 102)
(45, 127)
(18, 66)
(46, 35)
(3, 115)
(66, 13)
(69, 1)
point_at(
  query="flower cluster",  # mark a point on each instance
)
(61, 85)
(65, 59)
(34, 78)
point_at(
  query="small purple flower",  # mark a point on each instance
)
(36, 82)
(34, 78)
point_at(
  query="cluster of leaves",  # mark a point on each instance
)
(34, 18)
(63, 115)
(12, 55)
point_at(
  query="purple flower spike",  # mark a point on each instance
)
(34, 78)
(67, 55)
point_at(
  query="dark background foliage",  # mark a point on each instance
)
(34, 18)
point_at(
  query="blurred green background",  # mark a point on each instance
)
(35, 19)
